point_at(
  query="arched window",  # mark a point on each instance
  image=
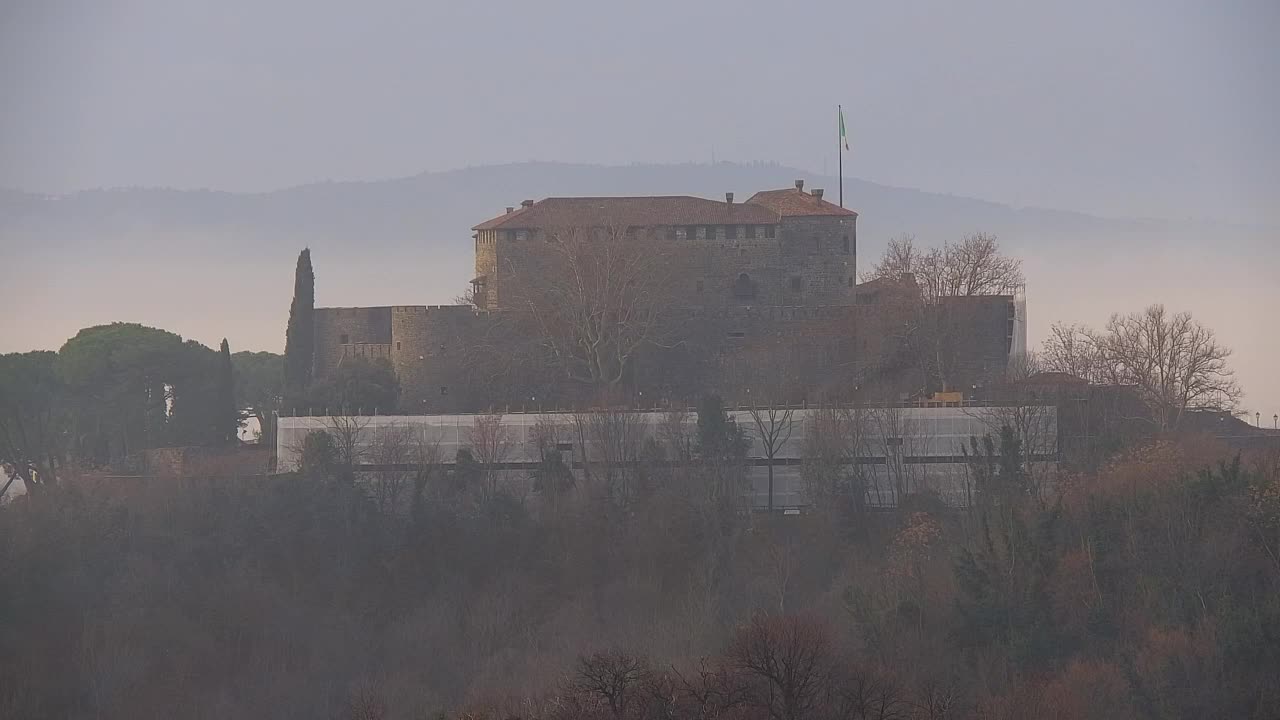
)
(743, 287)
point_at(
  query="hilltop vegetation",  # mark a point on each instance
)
(1150, 589)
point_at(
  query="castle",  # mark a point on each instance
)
(758, 296)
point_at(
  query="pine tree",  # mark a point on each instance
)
(299, 341)
(228, 415)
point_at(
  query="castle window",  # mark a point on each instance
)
(701, 286)
(671, 233)
(736, 334)
(397, 345)
(845, 243)
(795, 283)
(345, 339)
(743, 287)
(711, 232)
(444, 389)
(522, 235)
(768, 231)
(691, 232)
(730, 232)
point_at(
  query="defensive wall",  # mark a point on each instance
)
(453, 358)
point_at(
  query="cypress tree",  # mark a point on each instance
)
(228, 417)
(299, 338)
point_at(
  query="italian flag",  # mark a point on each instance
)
(844, 139)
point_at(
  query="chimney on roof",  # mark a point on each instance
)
(817, 192)
(526, 203)
(728, 197)
(510, 209)
(800, 185)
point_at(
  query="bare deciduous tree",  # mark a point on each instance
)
(712, 691)
(616, 677)
(611, 439)
(859, 694)
(973, 266)
(835, 440)
(931, 321)
(1076, 350)
(350, 441)
(391, 446)
(790, 660)
(896, 436)
(773, 425)
(676, 431)
(1175, 363)
(489, 440)
(426, 459)
(598, 296)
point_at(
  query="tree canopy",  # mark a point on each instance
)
(299, 342)
(132, 387)
(1175, 363)
(33, 417)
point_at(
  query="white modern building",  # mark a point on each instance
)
(896, 450)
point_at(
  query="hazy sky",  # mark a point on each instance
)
(1158, 108)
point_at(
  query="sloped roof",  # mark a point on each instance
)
(794, 202)
(628, 211)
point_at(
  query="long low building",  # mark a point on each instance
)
(896, 450)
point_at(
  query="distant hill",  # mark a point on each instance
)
(177, 259)
(435, 210)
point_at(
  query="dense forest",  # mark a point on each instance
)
(1148, 589)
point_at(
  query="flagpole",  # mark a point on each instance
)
(840, 151)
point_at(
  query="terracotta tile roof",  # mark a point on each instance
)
(627, 211)
(793, 202)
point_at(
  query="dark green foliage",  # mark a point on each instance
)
(228, 415)
(195, 398)
(134, 387)
(719, 437)
(358, 386)
(299, 340)
(1003, 581)
(466, 473)
(552, 477)
(34, 418)
(259, 388)
(319, 458)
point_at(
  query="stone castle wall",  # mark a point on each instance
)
(809, 260)
(340, 331)
(458, 359)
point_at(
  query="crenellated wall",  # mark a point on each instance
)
(457, 359)
(803, 260)
(339, 331)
